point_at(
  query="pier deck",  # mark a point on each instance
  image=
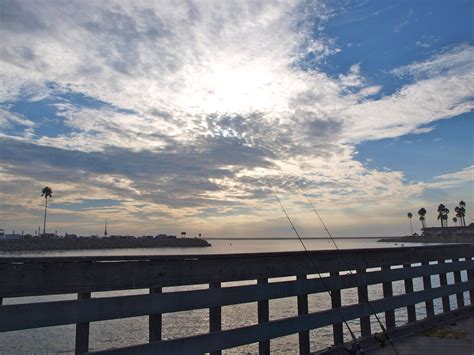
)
(455, 337)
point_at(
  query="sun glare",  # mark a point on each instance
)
(244, 87)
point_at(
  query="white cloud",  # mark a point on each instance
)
(453, 179)
(423, 44)
(456, 60)
(216, 86)
(203, 57)
(445, 89)
(194, 60)
(353, 78)
(370, 90)
(7, 119)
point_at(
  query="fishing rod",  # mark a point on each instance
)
(354, 338)
(384, 331)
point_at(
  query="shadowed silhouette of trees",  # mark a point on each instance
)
(46, 192)
(422, 213)
(461, 213)
(410, 216)
(443, 216)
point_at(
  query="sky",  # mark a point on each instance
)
(170, 116)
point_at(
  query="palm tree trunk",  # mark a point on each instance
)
(44, 222)
(411, 227)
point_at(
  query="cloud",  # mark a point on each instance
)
(9, 119)
(353, 78)
(456, 60)
(423, 44)
(190, 62)
(443, 88)
(168, 178)
(454, 179)
(206, 49)
(187, 109)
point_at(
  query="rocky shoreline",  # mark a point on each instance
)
(80, 243)
(468, 238)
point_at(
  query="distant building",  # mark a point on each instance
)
(455, 231)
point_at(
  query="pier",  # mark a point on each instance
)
(446, 274)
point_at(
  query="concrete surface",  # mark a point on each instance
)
(456, 338)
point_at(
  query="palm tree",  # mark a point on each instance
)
(441, 208)
(457, 209)
(422, 213)
(443, 215)
(461, 212)
(46, 192)
(455, 221)
(410, 215)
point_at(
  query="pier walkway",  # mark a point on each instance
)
(455, 337)
(411, 289)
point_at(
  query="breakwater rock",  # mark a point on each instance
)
(468, 238)
(56, 243)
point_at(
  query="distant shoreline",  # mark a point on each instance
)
(469, 238)
(88, 243)
(290, 238)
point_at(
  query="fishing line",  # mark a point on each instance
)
(354, 338)
(384, 331)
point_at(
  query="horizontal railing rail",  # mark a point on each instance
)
(278, 328)
(46, 314)
(33, 276)
(340, 270)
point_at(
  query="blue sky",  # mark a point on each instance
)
(158, 117)
(446, 148)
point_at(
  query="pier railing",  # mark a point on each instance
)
(445, 271)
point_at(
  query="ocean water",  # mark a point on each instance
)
(131, 331)
(228, 246)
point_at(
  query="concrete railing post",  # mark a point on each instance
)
(443, 281)
(263, 317)
(459, 295)
(215, 317)
(154, 321)
(336, 303)
(470, 277)
(363, 294)
(388, 292)
(302, 310)
(427, 286)
(82, 329)
(411, 312)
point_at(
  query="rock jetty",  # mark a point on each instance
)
(113, 242)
